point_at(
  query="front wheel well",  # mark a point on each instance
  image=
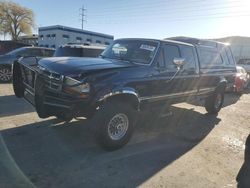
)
(125, 98)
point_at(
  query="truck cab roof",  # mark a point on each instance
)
(196, 41)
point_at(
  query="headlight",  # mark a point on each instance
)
(75, 85)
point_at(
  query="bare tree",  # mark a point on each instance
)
(15, 19)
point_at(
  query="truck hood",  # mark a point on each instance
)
(78, 65)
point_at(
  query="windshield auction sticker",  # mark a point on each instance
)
(147, 47)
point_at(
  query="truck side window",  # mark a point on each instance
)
(230, 56)
(225, 57)
(209, 57)
(171, 52)
(187, 52)
(160, 61)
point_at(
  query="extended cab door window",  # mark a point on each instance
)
(188, 53)
(171, 52)
(209, 57)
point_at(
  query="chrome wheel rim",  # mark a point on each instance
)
(118, 126)
(5, 74)
(218, 101)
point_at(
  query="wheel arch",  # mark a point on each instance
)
(127, 95)
(221, 85)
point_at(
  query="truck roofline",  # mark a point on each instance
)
(199, 42)
(157, 40)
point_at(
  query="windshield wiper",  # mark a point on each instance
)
(123, 59)
(117, 58)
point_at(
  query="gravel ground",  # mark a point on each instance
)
(189, 149)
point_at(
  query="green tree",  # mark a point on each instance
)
(15, 19)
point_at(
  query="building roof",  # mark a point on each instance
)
(33, 36)
(75, 30)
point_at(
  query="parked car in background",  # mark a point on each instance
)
(7, 46)
(79, 50)
(245, 63)
(241, 80)
(7, 60)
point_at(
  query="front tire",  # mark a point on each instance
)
(213, 103)
(114, 123)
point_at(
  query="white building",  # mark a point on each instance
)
(29, 39)
(54, 36)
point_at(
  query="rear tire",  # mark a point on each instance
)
(114, 124)
(214, 102)
(5, 74)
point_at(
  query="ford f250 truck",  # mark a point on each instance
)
(131, 75)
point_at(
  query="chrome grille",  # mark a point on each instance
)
(51, 79)
(52, 75)
(53, 85)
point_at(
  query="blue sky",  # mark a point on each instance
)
(147, 18)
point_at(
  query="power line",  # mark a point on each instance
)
(210, 17)
(169, 19)
(175, 14)
(158, 6)
(222, 10)
(169, 10)
(136, 6)
(82, 15)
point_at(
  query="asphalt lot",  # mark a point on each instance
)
(188, 149)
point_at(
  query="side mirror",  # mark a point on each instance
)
(179, 62)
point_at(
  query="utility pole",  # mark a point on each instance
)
(82, 15)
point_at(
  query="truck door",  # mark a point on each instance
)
(167, 83)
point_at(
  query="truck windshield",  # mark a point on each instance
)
(137, 51)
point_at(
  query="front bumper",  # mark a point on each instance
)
(44, 90)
